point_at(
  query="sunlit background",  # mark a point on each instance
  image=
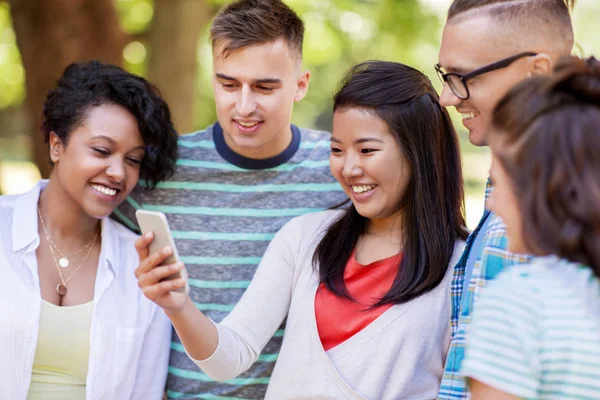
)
(339, 33)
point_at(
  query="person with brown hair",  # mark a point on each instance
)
(365, 289)
(487, 47)
(536, 331)
(241, 179)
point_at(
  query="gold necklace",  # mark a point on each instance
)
(61, 288)
(64, 260)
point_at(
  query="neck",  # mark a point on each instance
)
(390, 227)
(64, 219)
(274, 147)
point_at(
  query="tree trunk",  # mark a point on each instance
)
(51, 34)
(173, 38)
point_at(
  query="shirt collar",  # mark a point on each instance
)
(25, 217)
(25, 225)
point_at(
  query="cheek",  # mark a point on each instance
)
(223, 100)
(336, 166)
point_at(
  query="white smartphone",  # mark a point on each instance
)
(153, 221)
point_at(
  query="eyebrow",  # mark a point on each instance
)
(112, 141)
(259, 81)
(358, 141)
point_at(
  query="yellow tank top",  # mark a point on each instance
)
(61, 356)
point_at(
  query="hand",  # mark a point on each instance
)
(150, 273)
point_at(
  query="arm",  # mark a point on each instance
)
(481, 391)
(225, 350)
(154, 359)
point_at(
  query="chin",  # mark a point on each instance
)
(477, 138)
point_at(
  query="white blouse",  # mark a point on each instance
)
(130, 336)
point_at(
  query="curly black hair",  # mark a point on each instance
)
(91, 84)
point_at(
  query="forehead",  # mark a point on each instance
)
(471, 43)
(355, 122)
(270, 60)
(111, 121)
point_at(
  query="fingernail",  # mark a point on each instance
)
(167, 250)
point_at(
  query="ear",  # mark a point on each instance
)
(302, 85)
(56, 147)
(542, 64)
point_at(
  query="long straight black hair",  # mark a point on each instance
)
(432, 205)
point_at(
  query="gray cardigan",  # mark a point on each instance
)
(400, 355)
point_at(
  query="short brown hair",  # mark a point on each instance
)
(543, 24)
(254, 22)
(549, 134)
(559, 7)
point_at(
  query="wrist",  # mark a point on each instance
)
(178, 312)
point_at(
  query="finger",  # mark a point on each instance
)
(157, 274)
(141, 245)
(161, 289)
(153, 260)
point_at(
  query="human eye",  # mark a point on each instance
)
(134, 160)
(266, 89)
(368, 151)
(228, 85)
(101, 151)
(336, 150)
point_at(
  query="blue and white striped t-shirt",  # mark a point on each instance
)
(535, 333)
(223, 210)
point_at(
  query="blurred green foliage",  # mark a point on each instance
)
(12, 75)
(339, 34)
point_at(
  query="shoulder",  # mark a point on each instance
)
(203, 134)
(8, 201)
(311, 225)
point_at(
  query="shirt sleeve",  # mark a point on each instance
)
(251, 324)
(503, 340)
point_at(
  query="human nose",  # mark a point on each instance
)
(448, 98)
(246, 103)
(116, 170)
(352, 168)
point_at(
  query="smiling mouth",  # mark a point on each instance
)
(104, 190)
(248, 124)
(469, 115)
(362, 189)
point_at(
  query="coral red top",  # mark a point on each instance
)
(338, 319)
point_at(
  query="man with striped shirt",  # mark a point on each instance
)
(487, 47)
(241, 179)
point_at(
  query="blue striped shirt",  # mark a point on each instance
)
(223, 210)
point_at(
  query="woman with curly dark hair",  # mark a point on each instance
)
(536, 331)
(74, 324)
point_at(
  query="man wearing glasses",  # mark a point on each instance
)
(488, 46)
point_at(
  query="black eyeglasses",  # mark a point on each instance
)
(458, 82)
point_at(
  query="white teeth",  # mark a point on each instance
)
(469, 115)
(104, 189)
(360, 189)
(247, 124)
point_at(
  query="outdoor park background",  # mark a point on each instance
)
(166, 41)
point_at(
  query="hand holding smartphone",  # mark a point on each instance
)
(156, 222)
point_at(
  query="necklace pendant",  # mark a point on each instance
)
(63, 262)
(61, 289)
